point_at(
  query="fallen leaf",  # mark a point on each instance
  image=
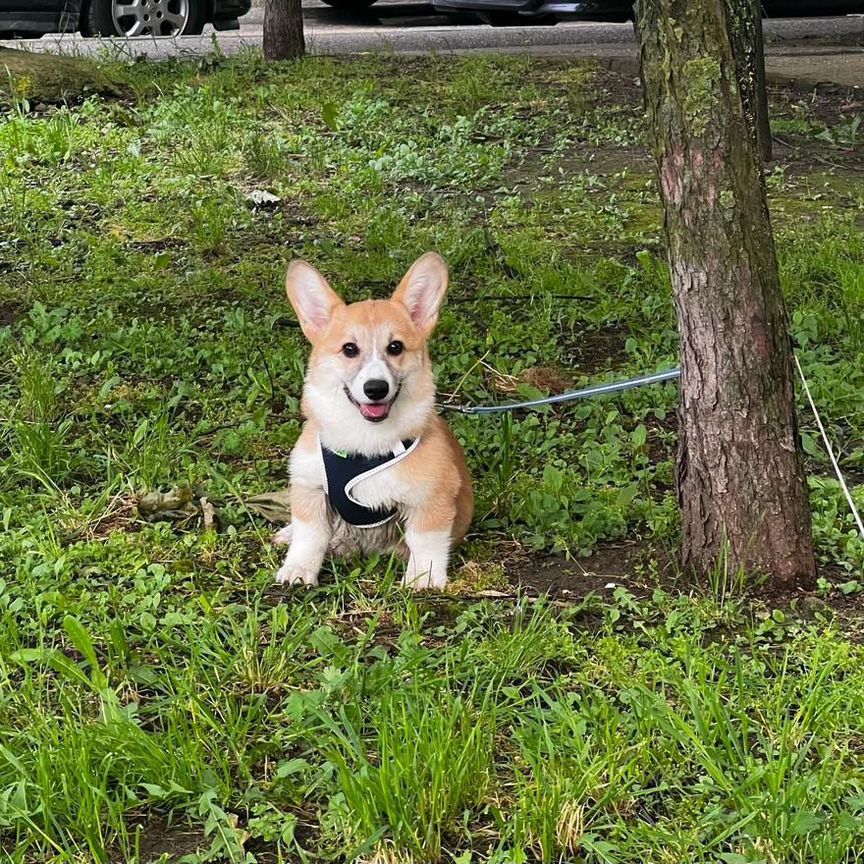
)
(273, 506)
(176, 504)
(262, 197)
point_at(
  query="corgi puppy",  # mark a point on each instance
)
(375, 468)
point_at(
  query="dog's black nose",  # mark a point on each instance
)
(375, 388)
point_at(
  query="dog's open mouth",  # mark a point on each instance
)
(374, 412)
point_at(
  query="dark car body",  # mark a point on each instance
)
(606, 10)
(37, 17)
(585, 9)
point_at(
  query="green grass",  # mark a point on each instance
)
(158, 694)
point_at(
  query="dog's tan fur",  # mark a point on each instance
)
(431, 487)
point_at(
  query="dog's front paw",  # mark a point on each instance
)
(284, 536)
(292, 574)
(428, 580)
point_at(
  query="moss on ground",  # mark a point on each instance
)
(49, 78)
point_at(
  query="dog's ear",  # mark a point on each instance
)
(312, 298)
(422, 290)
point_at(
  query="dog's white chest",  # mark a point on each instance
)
(377, 485)
(380, 491)
(374, 484)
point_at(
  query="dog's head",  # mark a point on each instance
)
(369, 382)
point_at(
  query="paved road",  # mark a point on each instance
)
(415, 27)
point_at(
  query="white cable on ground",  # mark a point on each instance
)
(830, 450)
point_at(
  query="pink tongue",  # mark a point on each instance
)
(375, 411)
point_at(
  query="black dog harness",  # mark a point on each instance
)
(343, 471)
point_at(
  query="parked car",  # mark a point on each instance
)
(509, 12)
(34, 18)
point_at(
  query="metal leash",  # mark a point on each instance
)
(658, 378)
(570, 396)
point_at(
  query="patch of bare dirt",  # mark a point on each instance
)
(609, 567)
(581, 159)
(642, 567)
(159, 837)
(595, 351)
(617, 82)
(619, 86)
(9, 313)
(824, 104)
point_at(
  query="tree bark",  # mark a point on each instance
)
(745, 34)
(283, 30)
(741, 483)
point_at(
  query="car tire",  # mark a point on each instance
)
(163, 18)
(514, 19)
(349, 5)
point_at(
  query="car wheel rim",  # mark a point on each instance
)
(150, 17)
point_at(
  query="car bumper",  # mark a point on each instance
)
(530, 8)
(588, 11)
(224, 10)
(38, 22)
(522, 7)
(610, 9)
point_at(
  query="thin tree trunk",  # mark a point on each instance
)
(745, 33)
(283, 30)
(741, 483)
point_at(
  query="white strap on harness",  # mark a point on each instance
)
(399, 453)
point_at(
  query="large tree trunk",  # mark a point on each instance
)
(741, 483)
(745, 33)
(283, 30)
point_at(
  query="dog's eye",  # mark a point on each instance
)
(349, 349)
(395, 348)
